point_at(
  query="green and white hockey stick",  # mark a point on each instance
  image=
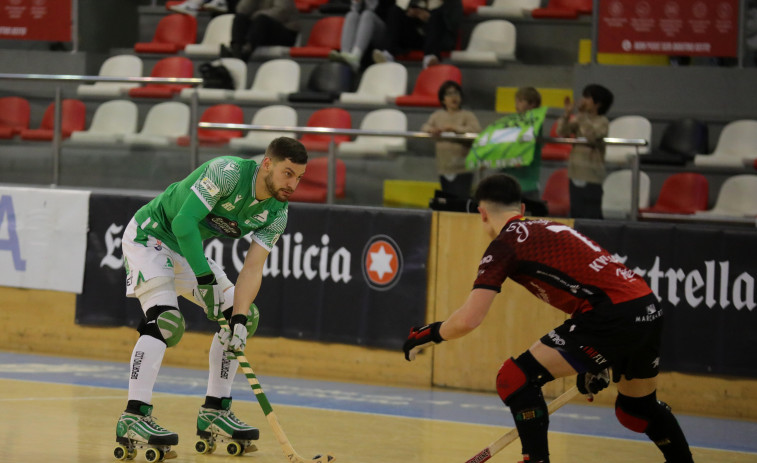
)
(286, 446)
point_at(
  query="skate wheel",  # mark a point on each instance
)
(132, 454)
(201, 446)
(152, 455)
(121, 453)
(233, 448)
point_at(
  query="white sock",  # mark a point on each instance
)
(145, 365)
(221, 370)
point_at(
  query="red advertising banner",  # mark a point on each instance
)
(669, 27)
(46, 20)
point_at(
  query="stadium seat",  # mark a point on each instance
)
(217, 33)
(616, 198)
(627, 127)
(173, 33)
(508, 8)
(491, 42)
(325, 83)
(273, 81)
(325, 36)
(426, 89)
(557, 193)
(115, 66)
(555, 151)
(238, 70)
(14, 116)
(164, 124)
(314, 184)
(737, 142)
(307, 6)
(379, 85)
(681, 141)
(173, 66)
(563, 9)
(73, 118)
(220, 114)
(682, 193)
(110, 123)
(470, 6)
(335, 118)
(274, 115)
(736, 197)
(374, 145)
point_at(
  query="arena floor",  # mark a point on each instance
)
(60, 409)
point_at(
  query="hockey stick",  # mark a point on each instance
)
(511, 435)
(286, 446)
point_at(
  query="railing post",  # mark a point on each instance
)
(194, 160)
(331, 173)
(57, 135)
(635, 179)
(594, 32)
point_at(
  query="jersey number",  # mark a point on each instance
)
(562, 228)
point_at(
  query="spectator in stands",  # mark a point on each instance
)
(364, 25)
(586, 164)
(428, 25)
(191, 7)
(450, 155)
(262, 23)
(526, 99)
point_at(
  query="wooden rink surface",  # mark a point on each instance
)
(46, 422)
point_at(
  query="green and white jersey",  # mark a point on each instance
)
(226, 187)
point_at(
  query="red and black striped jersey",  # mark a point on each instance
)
(558, 265)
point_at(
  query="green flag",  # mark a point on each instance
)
(508, 142)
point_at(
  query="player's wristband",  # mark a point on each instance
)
(209, 279)
(236, 319)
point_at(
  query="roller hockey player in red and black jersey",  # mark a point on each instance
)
(615, 323)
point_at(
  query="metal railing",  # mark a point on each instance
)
(332, 151)
(61, 78)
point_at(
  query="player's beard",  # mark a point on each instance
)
(278, 193)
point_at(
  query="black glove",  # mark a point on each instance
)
(421, 337)
(590, 384)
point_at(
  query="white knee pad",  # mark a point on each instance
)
(157, 291)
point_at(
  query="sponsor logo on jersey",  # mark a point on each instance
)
(228, 206)
(262, 217)
(158, 245)
(556, 339)
(208, 185)
(382, 262)
(594, 355)
(521, 229)
(238, 198)
(223, 225)
(652, 314)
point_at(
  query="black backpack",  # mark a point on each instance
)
(216, 76)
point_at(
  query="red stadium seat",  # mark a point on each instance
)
(682, 193)
(557, 194)
(221, 114)
(555, 151)
(73, 118)
(306, 6)
(563, 9)
(326, 35)
(425, 91)
(14, 116)
(335, 118)
(314, 184)
(174, 32)
(174, 66)
(470, 6)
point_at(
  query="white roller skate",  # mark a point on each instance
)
(216, 426)
(135, 431)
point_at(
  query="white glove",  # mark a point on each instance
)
(234, 337)
(209, 293)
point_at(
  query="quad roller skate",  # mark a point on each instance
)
(220, 426)
(135, 431)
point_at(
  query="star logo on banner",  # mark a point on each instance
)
(382, 262)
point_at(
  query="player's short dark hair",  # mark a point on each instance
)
(500, 189)
(601, 96)
(287, 148)
(446, 85)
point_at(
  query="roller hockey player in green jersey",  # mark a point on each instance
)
(163, 256)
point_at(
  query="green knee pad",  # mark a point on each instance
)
(171, 325)
(253, 316)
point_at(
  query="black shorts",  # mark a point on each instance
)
(623, 336)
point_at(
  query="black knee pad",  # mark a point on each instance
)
(164, 323)
(517, 374)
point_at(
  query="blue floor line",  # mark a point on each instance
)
(431, 404)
